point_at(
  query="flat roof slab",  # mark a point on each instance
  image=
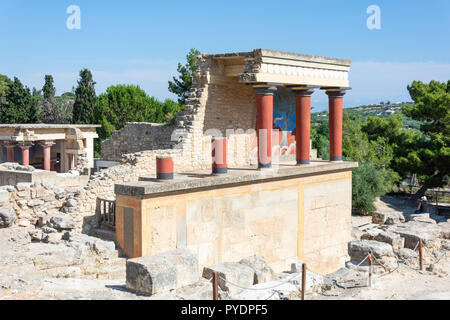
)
(203, 179)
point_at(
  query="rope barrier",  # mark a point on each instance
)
(334, 280)
(256, 289)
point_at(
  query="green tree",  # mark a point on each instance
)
(85, 98)
(428, 153)
(49, 105)
(374, 176)
(4, 81)
(181, 86)
(18, 105)
(129, 103)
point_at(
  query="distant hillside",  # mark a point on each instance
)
(382, 110)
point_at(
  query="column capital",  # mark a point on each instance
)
(25, 145)
(336, 92)
(47, 143)
(265, 91)
(9, 144)
(303, 92)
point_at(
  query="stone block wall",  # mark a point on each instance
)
(281, 220)
(327, 223)
(209, 106)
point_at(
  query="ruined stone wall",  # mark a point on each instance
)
(282, 220)
(209, 106)
(136, 137)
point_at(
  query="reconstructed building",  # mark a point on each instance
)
(284, 210)
(52, 147)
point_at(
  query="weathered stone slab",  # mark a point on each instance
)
(87, 244)
(162, 272)
(7, 216)
(233, 276)
(62, 222)
(394, 239)
(410, 217)
(186, 265)
(358, 250)
(444, 228)
(391, 217)
(424, 220)
(406, 253)
(412, 231)
(48, 256)
(263, 272)
(151, 275)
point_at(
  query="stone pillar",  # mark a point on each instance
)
(264, 102)
(335, 123)
(164, 168)
(25, 153)
(219, 155)
(303, 125)
(46, 145)
(9, 151)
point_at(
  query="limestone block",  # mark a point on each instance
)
(62, 222)
(87, 244)
(263, 272)
(239, 276)
(47, 256)
(358, 250)
(411, 217)
(7, 216)
(412, 231)
(406, 253)
(395, 240)
(388, 217)
(162, 272)
(4, 196)
(444, 228)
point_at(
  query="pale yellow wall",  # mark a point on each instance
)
(305, 218)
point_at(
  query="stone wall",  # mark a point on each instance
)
(13, 175)
(34, 201)
(281, 220)
(136, 137)
(327, 223)
(209, 106)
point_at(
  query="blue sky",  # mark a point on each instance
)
(141, 42)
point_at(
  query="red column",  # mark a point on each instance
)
(46, 145)
(164, 168)
(9, 151)
(335, 123)
(25, 153)
(264, 101)
(219, 155)
(303, 125)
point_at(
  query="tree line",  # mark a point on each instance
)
(387, 152)
(119, 104)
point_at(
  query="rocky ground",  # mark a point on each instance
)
(53, 263)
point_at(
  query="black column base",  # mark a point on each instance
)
(164, 176)
(336, 158)
(303, 161)
(219, 170)
(264, 165)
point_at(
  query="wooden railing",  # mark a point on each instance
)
(106, 213)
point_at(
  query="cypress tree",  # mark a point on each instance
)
(83, 108)
(18, 105)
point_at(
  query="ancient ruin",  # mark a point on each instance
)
(270, 203)
(231, 187)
